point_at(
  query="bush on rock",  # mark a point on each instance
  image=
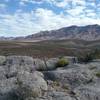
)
(62, 62)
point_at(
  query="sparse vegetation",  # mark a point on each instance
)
(96, 53)
(86, 58)
(98, 74)
(50, 48)
(62, 62)
(56, 83)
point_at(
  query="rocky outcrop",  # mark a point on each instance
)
(19, 60)
(31, 85)
(28, 63)
(74, 77)
(20, 79)
(88, 92)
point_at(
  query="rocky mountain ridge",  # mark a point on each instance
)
(88, 33)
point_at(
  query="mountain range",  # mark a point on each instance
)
(88, 33)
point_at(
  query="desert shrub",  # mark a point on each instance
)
(89, 56)
(96, 53)
(98, 74)
(62, 62)
(86, 58)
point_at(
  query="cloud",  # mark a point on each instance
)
(26, 2)
(31, 1)
(2, 6)
(28, 23)
(22, 3)
(62, 3)
(66, 3)
(22, 22)
(76, 11)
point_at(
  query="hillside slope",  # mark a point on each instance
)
(90, 32)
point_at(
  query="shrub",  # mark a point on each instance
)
(86, 58)
(96, 53)
(62, 62)
(56, 83)
(98, 74)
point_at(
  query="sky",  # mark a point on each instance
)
(25, 17)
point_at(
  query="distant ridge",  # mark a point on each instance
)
(88, 33)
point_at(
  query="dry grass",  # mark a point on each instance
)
(55, 48)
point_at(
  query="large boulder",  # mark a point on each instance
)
(31, 84)
(46, 64)
(39, 64)
(19, 60)
(88, 92)
(55, 95)
(12, 71)
(18, 79)
(51, 63)
(22, 86)
(14, 64)
(7, 89)
(28, 63)
(74, 76)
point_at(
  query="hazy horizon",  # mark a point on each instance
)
(26, 17)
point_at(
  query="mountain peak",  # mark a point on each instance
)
(88, 32)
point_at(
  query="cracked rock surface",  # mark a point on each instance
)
(21, 79)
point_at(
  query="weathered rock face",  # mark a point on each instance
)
(28, 63)
(74, 77)
(20, 80)
(22, 86)
(19, 60)
(88, 92)
(39, 64)
(31, 84)
(31, 64)
(51, 63)
(7, 89)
